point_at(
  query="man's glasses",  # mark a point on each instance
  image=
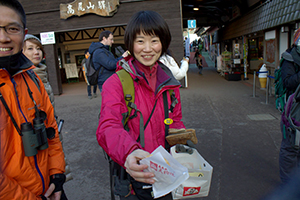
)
(13, 29)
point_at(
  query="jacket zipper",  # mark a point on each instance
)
(40, 173)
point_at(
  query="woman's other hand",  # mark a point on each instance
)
(125, 54)
(135, 170)
(186, 59)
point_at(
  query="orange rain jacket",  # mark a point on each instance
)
(24, 177)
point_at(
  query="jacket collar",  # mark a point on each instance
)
(296, 56)
(164, 75)
(16, 63)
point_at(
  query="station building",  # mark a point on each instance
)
(74, 25)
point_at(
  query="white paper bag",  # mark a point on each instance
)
(169, 173)
(200, 171)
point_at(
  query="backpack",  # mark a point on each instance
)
(291, 118)
(280, 90)
(91, 72)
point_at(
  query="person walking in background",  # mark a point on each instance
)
(168, 60)
(147, 37)
(289, 160)
(34, 51)
(198, 58)
(102, 58)
(32, 161)
(89, 86)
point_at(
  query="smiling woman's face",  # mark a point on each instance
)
(10, 44)
(147, 49)
(33, 52)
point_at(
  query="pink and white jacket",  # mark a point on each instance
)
(111, 135)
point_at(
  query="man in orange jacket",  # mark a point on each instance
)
(31, 155)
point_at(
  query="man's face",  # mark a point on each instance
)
(108, 41)
(10, 44)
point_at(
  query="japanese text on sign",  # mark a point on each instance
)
(81, 7)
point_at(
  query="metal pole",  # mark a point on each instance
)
(267, 89)
(254, 75)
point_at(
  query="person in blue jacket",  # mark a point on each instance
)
(103, 58)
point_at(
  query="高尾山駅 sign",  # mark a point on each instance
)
(81, 7)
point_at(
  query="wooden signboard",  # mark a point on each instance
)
(81, 7)
(71, 70)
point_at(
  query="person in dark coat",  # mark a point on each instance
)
(103, 58)
(290, 73)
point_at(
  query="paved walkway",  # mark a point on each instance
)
(238, 135)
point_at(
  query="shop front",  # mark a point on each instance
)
(255, 51)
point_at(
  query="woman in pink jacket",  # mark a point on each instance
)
(147, 37)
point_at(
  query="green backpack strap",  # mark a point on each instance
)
(128, 90)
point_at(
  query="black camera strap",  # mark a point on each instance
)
(9, 112)
(166, 109)
(30, 94)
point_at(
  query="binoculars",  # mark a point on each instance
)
(34, 137)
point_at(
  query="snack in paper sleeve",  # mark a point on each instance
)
(180, 136)
(169, 173)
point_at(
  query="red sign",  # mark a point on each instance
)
(190, 191)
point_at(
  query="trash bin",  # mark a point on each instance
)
(262, 76)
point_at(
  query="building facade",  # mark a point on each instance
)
(262, 34)
(74, 31)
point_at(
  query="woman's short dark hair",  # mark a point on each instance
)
(104, 34)
(16, 6)
(149, 23)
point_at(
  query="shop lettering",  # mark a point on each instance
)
(90, 6)
(70, 10)
(101, 4)
(78, 8)
(160, 169)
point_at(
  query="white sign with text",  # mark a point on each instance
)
(47, 38)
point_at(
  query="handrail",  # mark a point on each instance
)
(254, 81)
(262, 72)
(268, 88)
(268, 92)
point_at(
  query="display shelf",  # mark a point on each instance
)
(226, 62)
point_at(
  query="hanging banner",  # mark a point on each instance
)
(82, 7)
(245, 57)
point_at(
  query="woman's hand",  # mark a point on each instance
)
(135, 170)
(186, 59)
(125, 54)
